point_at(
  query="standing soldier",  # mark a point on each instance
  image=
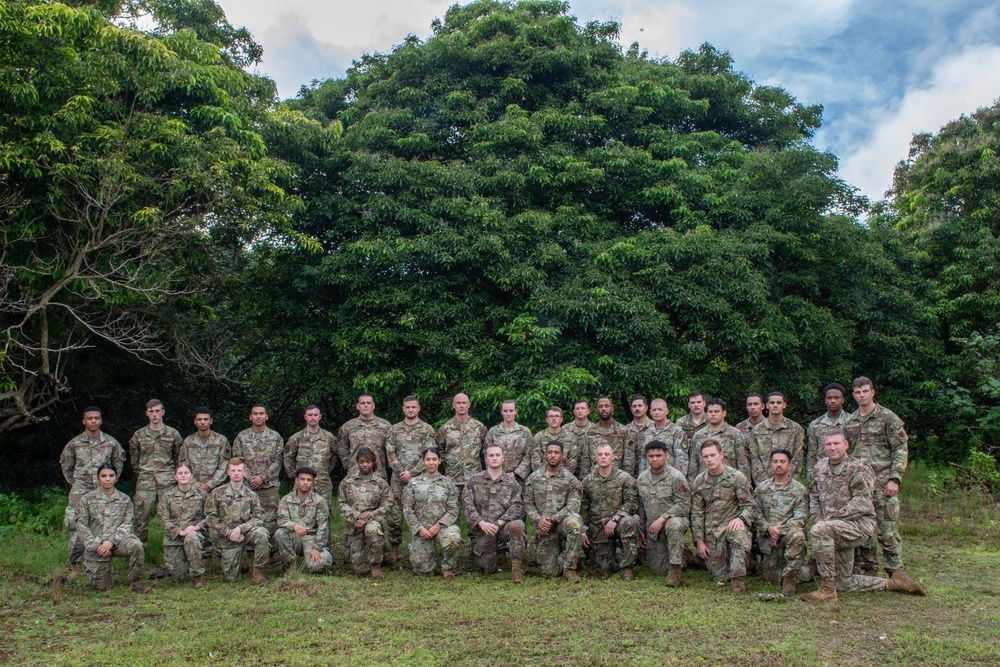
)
(365, 500)
(664, 513)
(579, 427)
(722, 510)
(833, 396)
(695, 418)
(207, 452)
(313, 447)
(79, 461)
(514, 439)
(635, 433)
(430, 503)
(608, 510)
(153, 452)
(236, 522)
(880, 440)
(554, 430)
(784, 507)
(775, 432)
(755, 410)
(496, 515)
(404, 450)
(608, 431)
(365, 430)
(670, 434)
(461, 439)
(261, 450)
(729, 437)
(552, 500)
(304, 524)
(182, 517)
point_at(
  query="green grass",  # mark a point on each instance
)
(951, 544)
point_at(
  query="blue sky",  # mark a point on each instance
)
(882, 69)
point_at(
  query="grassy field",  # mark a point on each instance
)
(951, 544)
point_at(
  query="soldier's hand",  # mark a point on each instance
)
(365, 516)
(236, 535)
(405, 477)
(737, 524)
(488, 528)
(642, 540)
(609, 528)
(205, 487)
(891, 488)
(360, 523)
(425, 534)
(774, 542)
(657, 526)
(313, 556)
(703, 550)
(256, 482)
(774, 532)
(434, 530)
(545, 525)
(104, 548)
(299, 530)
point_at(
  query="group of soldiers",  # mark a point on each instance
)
(620, 493)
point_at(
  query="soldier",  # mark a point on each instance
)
(880, 440)
(664, 510)
(104, 526)
(608, 510)
(729, 437)
(635, 433)
(833, 396)
(609, 431)
(461, 439)
(553, 430)
(515, 440)
(722, 510)
(261, 450)
(404, 450)
(153, 452)
(695, 418)
(207, 452)
(775, 432)
(430, 503)
(840, 501)
(365, 500)
(783, 509)
(236, 522)
(313, 447)
(304, 524)
(755, 410)
(365, 430)
(670, 434)
(182, 517)
(496, 515)
(552, 500)
(581, 422)
(79, 461)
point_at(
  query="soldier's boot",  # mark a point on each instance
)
(593, 572)
(286, 566)
(739, 585)
(571, 575)
(872, 572)
(376, 573)
(674, 576)
(392, 557)
(516, 576)
(140, 586)
(258, 576)
(627, 574)
(197, 582)
(788, 585)
(828, 591)
(447, 574)
(904, 583)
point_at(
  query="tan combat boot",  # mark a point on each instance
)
(739, 585)
(571, 575)
(447, 574)
(627, 574)
(197, 582)
(674, 576)
(393, 557)
(828, 591)
(376, 573)
(258, 576)
(904, 583)
(516, 576)
(788, 585)
(140, 586)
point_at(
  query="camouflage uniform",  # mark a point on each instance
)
(614, 435)
(225, 509)
(404, 450)
(557, 497)
(313, 514)
(358, 433)
(715, 501)
(635, 438)
(462, 446)
(494, 500)
(745, 426)
(359, 494)
(428, 500)
(263, 454)
(79, 461)
(785, 505)
(879, 438)
(108, 517)
(317, 451)
(678, 450)
(840, 501)
(571, 451)
(689, 426)
(579, 432)
(814, 438)
(208, 458)
(516, 445)
(665, 495)
(603, 499)
(177, 510)
(153, 455)
(755, 461)
(729, 437)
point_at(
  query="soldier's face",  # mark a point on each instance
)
(604, 409)
(776, 406)
(258, 417)
(183, 476)
(431, 463)
(494, 458)
(864, 395)
(780, 464)
(92, 422)
(716, 415)
(508, 411)
(553, 456)
(711, 457)
(411, 409)
(312, 417)
(236, 473)
(304, 483)
(658, 411)
(554, 419)
(203, 422)
(460, 404)
(581, 411)
(155, 414)
(755, 407)
(696, 405)
(365, 407)
(834, 400)
(657, 460)
(106, 479)
(366, 466)
(639, 408)
(605, 457)
(835, 446)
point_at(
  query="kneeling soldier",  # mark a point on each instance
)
(552, 500)
(495, 514)
(664, 510)
(236, 521)
(182, 516)
(608, 510)
(784, 508)
(304, 525)
(365, 499)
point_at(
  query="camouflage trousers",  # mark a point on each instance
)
(100, 570)
(423, 555)
(324, 487)
(231, 553)
(785, 559)
(290, 545)
(833, 544)
(559, 550)
(886, 535)
(394, 519)
(146, 493)
(366, 546)
(485, 547)
(269, 503)
(602, 550)
(76, 547)
(727, 554)
(184, 557)
(666, 548)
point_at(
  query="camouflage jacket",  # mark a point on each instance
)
(178, 509)
(745, 426)
(880, 439)
(635, 438)
(81, 457)
(689, 427)
(781, 505)
(428, 500)
(516, 445)
(462, 445)
(263, 453)
(755, 461)
(729, 437)
(614, 435)
(718, 499)
(814, 438)
(842, 492)
(553, 496)
(208, 458)
(315, 450)
(153, 454)
(359, 494)
(358, 433)
(312, 513)
(607, 497)
(104, 516)
(678, 448)
(226, 508)
(406, 444)
(488, 499)
(665, 495)
(571, 451)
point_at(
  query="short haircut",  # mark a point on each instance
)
(153, 402)
(306, 470)
(605, 444)
(91, 408)
(777, 393)
(755, 395)
(787, 453)
(711, 442)
(556, 443)
(312, 407)
(834, 431)
(411, 398)
(579, 401)
(431, 450)
(360, 396)
(258, 405)
(107, 466)
(862, 381)
(554, 408)
(716, 401)
(604, 398)
(184, 464)
(655, 444)
(695, 394)
(493, 446)
(638, 397)
(203, 410)
(508, 400)
(834, 385)
(236, 461)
